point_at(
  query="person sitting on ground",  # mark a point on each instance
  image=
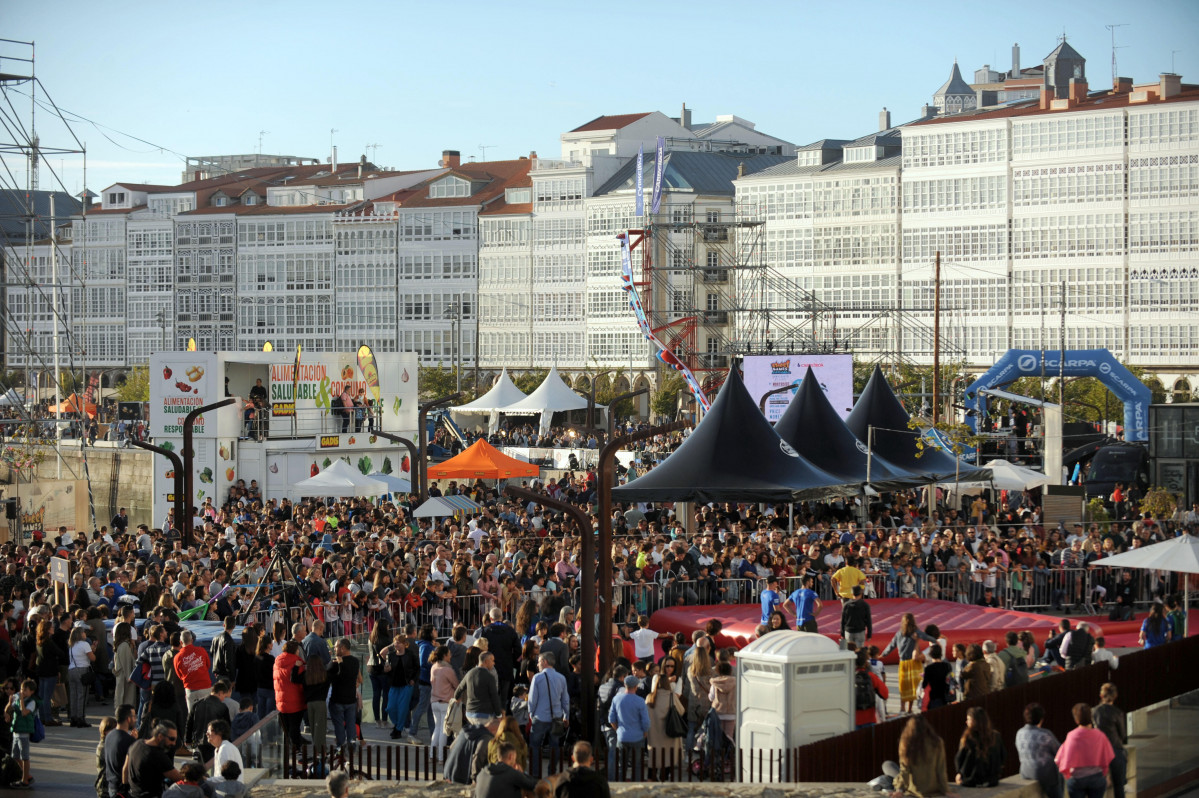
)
(228, 784)
(191, 784)
(503, 779)
(922, 769)
(981, 753)
(1037, 746)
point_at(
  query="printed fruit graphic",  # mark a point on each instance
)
(228, 474)
(312, 472)
(404, 376)
(199, 494)
(183, 386)
(373, 438)
(347, 373)
(274, 468)
(194, 373)
(166, 372)
(224, 452)
(170, 474)
(206, 475)
(352, 440)
(327, 463)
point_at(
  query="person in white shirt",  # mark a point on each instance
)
(219, 732)
(1104, 654)
(643, 640)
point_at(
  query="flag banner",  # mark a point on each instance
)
(93, 385)
(295, 375)
(640, 199)
(268, 347)
(191, 344)
(659, 170)
(663, 352)
(370, 371)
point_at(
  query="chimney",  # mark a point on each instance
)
(197, 174)
(1016, 60)
(333, 160)
(884, 119)
(1122, 86)
(741, 169)
(450, 159)
(532, 155)
(1078, 90)
(1046, 97)
(928, 111)
(685, 117)
(1171, 85)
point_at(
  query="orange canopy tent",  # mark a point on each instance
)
(483, 461)
(71, 405)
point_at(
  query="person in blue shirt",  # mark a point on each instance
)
(770, 598)
(805, 604)
(630, 716)
(549, 700)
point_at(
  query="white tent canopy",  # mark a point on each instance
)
(11, 397)
(552, 396)
(1006, 476)
(394, 483)
(445, 506)
(1178, 555)
(501, 395)
(340, 479)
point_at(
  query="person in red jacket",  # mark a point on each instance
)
(866, 715)
(288, 677)
(194, 669)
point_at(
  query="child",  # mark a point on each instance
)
(228, 784)
(243, 721)
(106, 725)
(880, 670)
(959, 662)
(191, 785)
(20, 715)
(520, 708)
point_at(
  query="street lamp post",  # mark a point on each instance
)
(607, 479)
(189, 454)
(413, 452)
(423, 437)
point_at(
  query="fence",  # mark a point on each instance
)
(1143, 678)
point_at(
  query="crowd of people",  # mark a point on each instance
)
(481, 611)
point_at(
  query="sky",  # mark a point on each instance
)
(157, 82)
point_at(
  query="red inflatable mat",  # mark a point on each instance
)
(959, 623)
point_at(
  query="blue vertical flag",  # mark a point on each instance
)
(659, 170)
(640, 201)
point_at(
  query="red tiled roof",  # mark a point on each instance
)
(94, 211)
(1098, 102)
(614, 122)
(504, 209)
(497, 176)
(141, 186)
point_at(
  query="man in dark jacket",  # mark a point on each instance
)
(856, 624)
(556, 645)
(224, 651)
(211, 707)
(468, 755)
(503, 779)
(583, 780)
(479, 692)
(504, 643)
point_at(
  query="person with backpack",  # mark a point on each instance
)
(866, 686)
(20, 714)
(1014, 660)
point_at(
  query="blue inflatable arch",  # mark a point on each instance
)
(1097, 363)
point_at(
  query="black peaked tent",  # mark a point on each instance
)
(814, 429)
(733, 455)
(878, 407)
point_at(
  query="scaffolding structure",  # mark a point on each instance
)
(711, 295)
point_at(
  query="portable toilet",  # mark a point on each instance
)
(793, 688)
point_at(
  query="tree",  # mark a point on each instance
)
(1159, 502)
(69, 383)
(665, 400)
(436, 381)
(135, 387)
(11, 379)
(527, 381)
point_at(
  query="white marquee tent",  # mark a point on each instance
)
(1178, 555)
(340, 479)
(551, 396)
(503, 394)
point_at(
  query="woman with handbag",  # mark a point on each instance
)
(81, 654)
(665, 738)
(124, 660)
(444, 682)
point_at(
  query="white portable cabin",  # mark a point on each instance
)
(793, 688)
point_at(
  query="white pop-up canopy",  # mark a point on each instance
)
(395, 484)
(1005, 476)
(551, 396)
(340, 479)
(1178, 555)
(501, 395)
(11, 397)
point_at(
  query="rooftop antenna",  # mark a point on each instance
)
(483, 148)
(261, 133)
(1112, 28)
(374, 148)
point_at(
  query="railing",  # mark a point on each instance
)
(1143, 678)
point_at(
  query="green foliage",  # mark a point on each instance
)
(665, 400)
(387, 467)
(136, 385)
(1160, 502)
(11, 379)
(364, 464)
(1097, 513)
(436, 381)
(958, 436)
(528, 381)
(69, 383)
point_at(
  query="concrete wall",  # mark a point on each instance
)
(131, 487)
